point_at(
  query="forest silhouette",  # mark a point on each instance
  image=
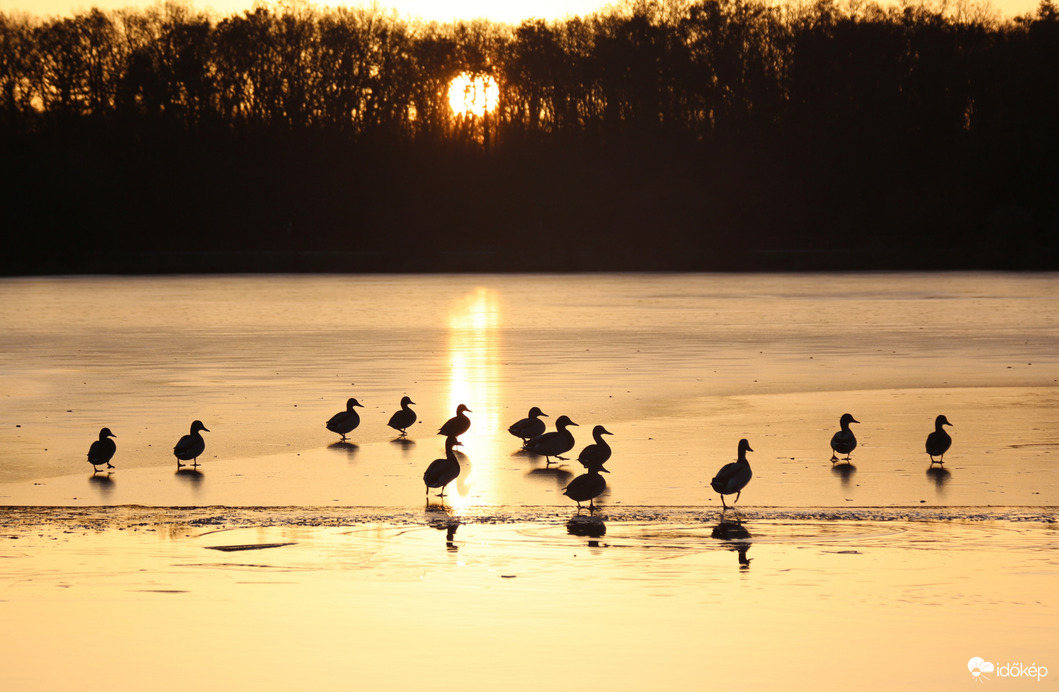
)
(676, 135)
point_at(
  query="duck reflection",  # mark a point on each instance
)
(560, 477)
(441, 518)
(102, 482)
(738, 538)
(590, 526)
(940, 476)
(404, 443)
(844, 472)
(191, 476)
(347, 447)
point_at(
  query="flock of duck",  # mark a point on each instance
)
(731, 479)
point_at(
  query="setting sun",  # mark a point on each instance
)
(471, 94)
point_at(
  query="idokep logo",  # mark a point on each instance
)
(979, 668)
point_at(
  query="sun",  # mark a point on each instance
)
(473, 94)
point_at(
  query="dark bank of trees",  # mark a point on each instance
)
(706, 134)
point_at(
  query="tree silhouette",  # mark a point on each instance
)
(654, 134)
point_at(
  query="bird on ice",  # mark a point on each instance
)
(191, 446)
(529, 427)
(939, 441)
(346, 421)
(443, 471)
(102, 450)
(404, 418)
(555, 443)
(458, 424)
(734, 476)
(843, 441)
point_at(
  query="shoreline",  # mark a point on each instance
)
(138, 516)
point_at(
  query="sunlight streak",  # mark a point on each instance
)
(474, 344)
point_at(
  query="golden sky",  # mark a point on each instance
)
(507, 10)
(512, 11)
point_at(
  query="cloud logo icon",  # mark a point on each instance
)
(977, 666)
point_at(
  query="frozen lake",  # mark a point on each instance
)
(291, 560)
(679, 367)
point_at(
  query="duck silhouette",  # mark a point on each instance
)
(734, 476)
(843, 441)
(403, 419)
(555, 443)
(443, 471)
(102, 450)
(346, 421)
(458, 424)
(529, 427)
(587, 486)
(597, 453)
(191, 446)
(939, 441)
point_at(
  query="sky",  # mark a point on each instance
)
(511, 11)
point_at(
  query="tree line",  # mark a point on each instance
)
(654, 134)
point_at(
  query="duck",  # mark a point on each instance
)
(345, 421)
(441, 472)
(587, 486)
(529, 427)
(403, 419)
(458, 424)
(734, 476)
(939, 441)
(843, 441)
(597, 453)
(555, 443)
(102, 450)
(191, 446)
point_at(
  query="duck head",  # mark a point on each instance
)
(197, 425)
(562, 422)
(105, 433)
(846, 419)
(351, 402)
(940, 421)
(537, 413)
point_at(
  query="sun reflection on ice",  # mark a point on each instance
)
(474, 344)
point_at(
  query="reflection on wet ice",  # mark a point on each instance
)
(591, 526)
(738, 538)
(844, 472)
(190, 475)
(347, 447)
(441, 518)
(939, 475)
